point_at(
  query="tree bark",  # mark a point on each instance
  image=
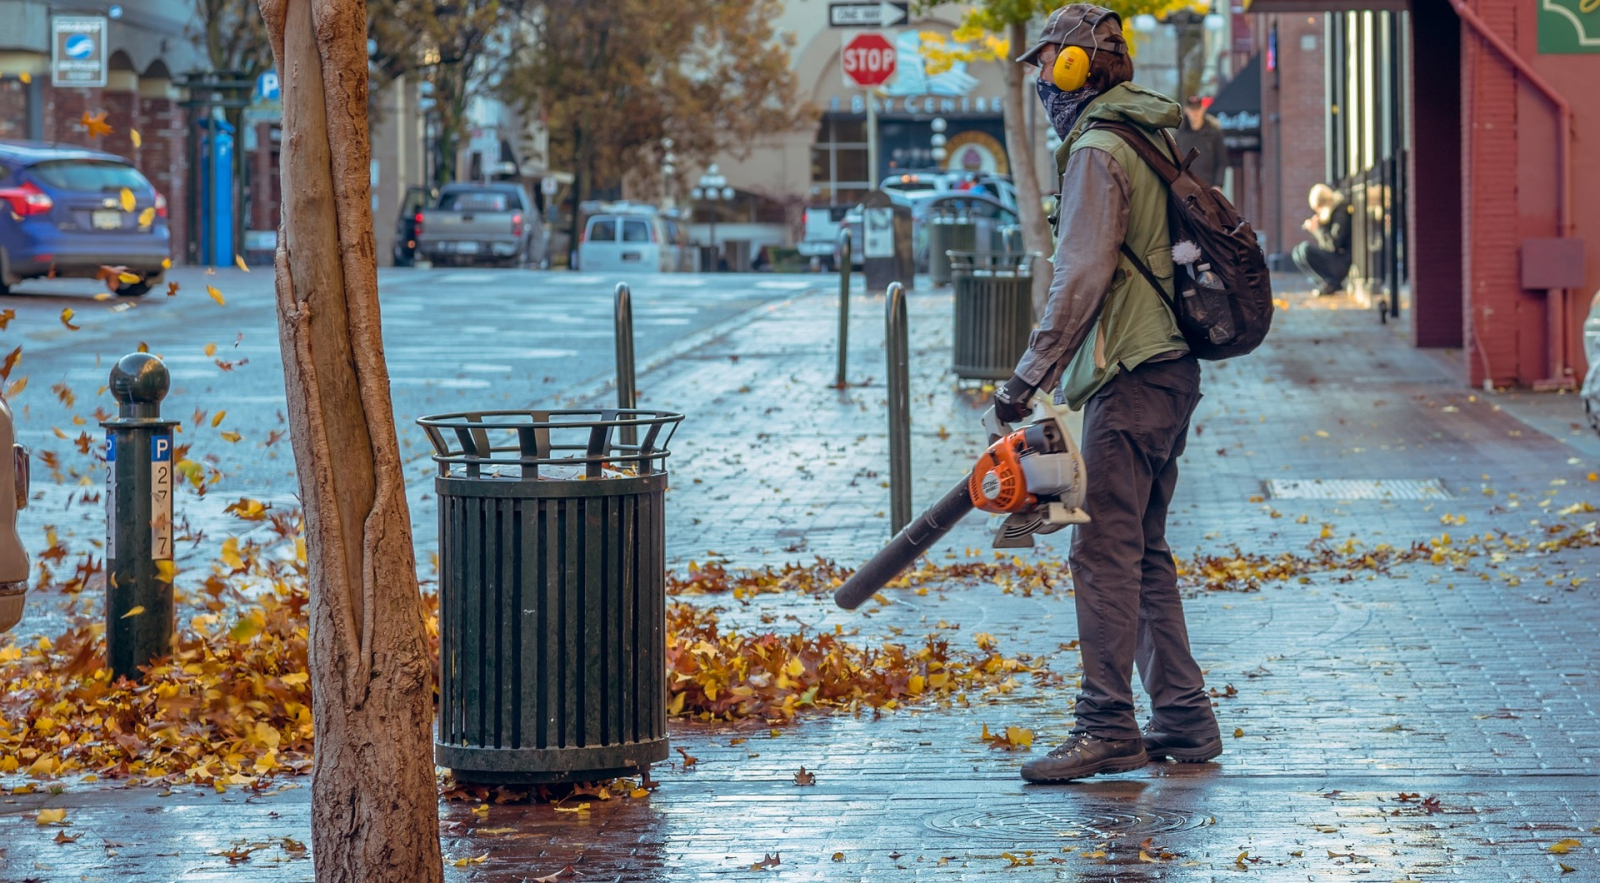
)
(374, 803)
(1024, 174)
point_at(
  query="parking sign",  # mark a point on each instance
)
(78, 51)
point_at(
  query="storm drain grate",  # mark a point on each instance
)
(1055, 823)
(1357, 489)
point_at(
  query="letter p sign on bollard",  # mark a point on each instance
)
(139, 530)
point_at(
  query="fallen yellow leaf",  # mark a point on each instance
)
(463, 862)
(1562, 847)
(50, 817)
(582, 807)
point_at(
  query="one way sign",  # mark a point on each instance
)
(866, 15)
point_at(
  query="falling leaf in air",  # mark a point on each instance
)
(172, 289)
(96, 124)
(5, 318)
(11, 360)
(211, 349)
(51, 817)
(66, 319)
(215, 295)
(25, 77)
(805, 778)
(238, 259)
(126, 197)
(133, 611)
(769, 861)
(166, 571)
(133, 135)
(147, 217)
(216, 420)
(689, 760)
(127, 278)
(17, 387)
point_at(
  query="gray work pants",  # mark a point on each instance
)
(1125, 584)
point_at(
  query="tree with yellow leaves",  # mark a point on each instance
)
(997, 31)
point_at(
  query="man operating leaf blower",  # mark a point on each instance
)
(1114, 339)
(1154, 269)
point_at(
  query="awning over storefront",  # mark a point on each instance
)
(1238, 108)
(1263, 6)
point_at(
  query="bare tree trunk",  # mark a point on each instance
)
(1024, 174)
(374, 803)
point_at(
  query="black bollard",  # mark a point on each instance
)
(139, 531)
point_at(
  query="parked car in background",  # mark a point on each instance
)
(478, 224)
(405, 226)
(820, 238)
(68, 212)
(629, 238)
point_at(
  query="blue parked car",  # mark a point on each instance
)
(63, 214)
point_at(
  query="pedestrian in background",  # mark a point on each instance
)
(1201, 131)
(1137, 384)
(1327, 260)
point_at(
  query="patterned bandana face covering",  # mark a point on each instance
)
(1062, 107)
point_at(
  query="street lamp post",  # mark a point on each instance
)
(938, 141)
(711, 187)
(668, 169)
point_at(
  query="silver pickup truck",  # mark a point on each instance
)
(480, 224)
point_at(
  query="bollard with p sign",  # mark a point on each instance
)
(139, 529)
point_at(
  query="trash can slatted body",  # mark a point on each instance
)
(993, 313)
(946, 234)
(552, 625)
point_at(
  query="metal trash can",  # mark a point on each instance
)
(948, 233)
(552, 593)
(993, 312)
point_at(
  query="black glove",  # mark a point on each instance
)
(1012, 401)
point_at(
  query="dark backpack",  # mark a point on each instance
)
(1223, 294)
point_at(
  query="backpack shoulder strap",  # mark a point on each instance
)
(1159, 162)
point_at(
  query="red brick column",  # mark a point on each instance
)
(13, 108)
(163, 157)
(1505, 326)
(1293, 147)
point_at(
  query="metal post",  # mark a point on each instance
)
(627, 383)
(139, 529)
(844, 307)
(898, 347)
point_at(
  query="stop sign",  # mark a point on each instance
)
(867, 60)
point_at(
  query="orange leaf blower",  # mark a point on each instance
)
(1034, 476)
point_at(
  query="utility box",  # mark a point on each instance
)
(886, 247)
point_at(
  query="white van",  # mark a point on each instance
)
(626, 243)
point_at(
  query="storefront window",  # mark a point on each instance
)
(839, 161)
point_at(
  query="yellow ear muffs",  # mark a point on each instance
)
(1072, 68)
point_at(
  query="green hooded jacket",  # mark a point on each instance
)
(1135, 323)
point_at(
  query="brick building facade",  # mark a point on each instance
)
(1442, 120)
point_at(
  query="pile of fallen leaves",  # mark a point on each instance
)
(230, 707)
(715, 674)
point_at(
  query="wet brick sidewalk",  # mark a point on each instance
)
(1471, 687)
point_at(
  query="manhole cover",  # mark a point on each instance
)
(1054, 823)
(1357, 489)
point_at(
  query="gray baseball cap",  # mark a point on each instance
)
(1080, 24)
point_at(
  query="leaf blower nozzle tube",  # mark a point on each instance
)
(917, 538)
